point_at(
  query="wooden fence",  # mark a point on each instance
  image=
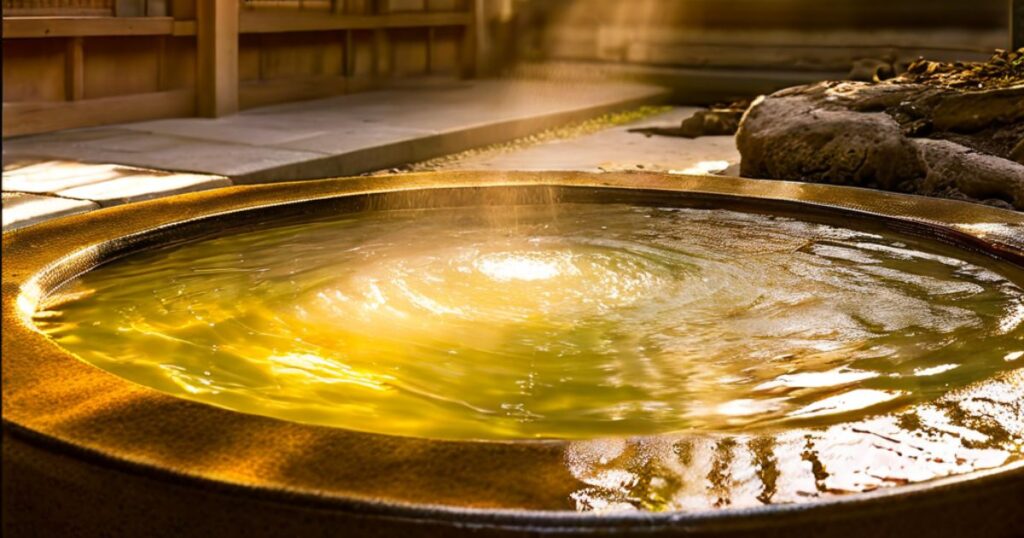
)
(94, 62)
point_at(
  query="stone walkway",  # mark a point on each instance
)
(48, 176)
(616, 149)
(342, 135)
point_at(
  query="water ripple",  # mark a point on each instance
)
(577, 321)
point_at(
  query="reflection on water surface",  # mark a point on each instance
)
(574, 321)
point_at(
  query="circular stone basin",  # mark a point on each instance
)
(521, 353)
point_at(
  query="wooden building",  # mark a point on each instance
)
(77, 63)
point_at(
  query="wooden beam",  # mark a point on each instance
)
(217, 62)
(74, 70)
(184, 28)
(31, 118)
(28, 27)
(264, 22)
(953, 40)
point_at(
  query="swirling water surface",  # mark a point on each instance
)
(575, 321)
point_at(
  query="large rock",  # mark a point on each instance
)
(1017, 153)
(808, 136)
(974, 111)
(956, 171)
(903, 137)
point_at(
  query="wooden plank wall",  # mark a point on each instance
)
(182, 58)
(811, 35)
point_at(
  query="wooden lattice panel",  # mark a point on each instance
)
(58, 7)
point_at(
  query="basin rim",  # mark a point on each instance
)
(40, 257)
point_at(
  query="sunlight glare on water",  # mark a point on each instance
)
(588, 321)
(518, 266)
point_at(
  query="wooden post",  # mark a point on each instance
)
(1016, 24)
(350, 54)
(382, 53)
(470, 38)
(431, 38)
(382, 63)
(74, 70)
(161, 63)
(217, 62)
(183, 9)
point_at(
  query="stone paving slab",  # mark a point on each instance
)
(342, 135)
(162, 152)
(105, 184)
(42, 177)
(141, 187)
(617, 149)
(357, 138)
(40, 189)
(23, 209)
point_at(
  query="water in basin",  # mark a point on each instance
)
(577, 321)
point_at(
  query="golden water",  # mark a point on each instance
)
(577, 322)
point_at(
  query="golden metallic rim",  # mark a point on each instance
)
(54, 400)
